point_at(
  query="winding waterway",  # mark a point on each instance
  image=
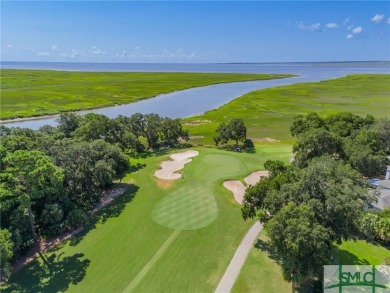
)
(199, 100)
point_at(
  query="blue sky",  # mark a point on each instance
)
(278, 31)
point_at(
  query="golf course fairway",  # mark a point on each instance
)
(144, 242)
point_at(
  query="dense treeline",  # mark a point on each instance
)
(321, 198)
(52, 178)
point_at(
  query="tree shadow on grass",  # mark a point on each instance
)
(136, 167)
(268, 249)
(344, 257)
(55, 276)
(112, 210)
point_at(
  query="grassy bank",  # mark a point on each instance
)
(269, 112)
(129, 246)
(26, 93)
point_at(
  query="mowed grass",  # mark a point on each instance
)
(360, 252)
(27, 93)
(126, 249)
(261, 272)
(269, 112)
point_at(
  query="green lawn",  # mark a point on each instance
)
(27, 93)
(261, 272)
(360, 252)
(137, 245)
(269, 112)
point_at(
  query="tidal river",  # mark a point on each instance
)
(199, 100)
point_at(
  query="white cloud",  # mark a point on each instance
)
(309, 27)
(179, 55)
(332, 25)
(357, 30)
(377, 18)
(97, 51)
(350, 27)
(72, 54)
(44, 54)
(346, 20)
(55, 48)
(388, 21)
(348, 37)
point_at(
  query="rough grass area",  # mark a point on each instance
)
(269, 113)
(26, 93)
(125, 249)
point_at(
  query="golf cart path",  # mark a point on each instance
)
(238, 260)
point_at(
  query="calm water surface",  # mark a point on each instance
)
(199, 100)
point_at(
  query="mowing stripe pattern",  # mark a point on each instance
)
(151, 262)
(188, 208)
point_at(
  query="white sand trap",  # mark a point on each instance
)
(255, 177)
(168, 168)
(238, 188)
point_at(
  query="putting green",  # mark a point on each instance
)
(193, 205)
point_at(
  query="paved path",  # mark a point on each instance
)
(238, 260)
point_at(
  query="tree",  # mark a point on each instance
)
(152, 130)
(316, 143)
(382, 127)
(148, 126)
(301, 241)
(365, 152)
(101, 164)
(68, 122)
(300, 205)
(223, 134)
(237, 130)
(28, 176)
(93, 126)
(172, 131)
(302, 124)
(6, 253)
(376, 225)
(234, 130)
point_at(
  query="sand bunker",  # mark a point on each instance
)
(168, 168)
(238, 188)
(254, 178)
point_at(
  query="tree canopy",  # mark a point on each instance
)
(321, 198)
(234, 130)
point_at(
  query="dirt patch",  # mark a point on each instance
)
(108, 196)
(196, 136)
(265, 139)
(164, 184)
(196, 122)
